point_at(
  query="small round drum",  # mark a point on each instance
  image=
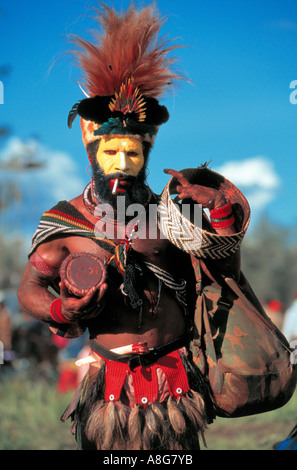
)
(81, 272)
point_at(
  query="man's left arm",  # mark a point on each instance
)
(221, 217)
(220, 208)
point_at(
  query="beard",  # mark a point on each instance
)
(138, 191)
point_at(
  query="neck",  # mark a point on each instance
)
(94, 203)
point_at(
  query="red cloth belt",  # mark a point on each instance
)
(144, 379)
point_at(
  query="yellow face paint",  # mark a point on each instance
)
(120, 155)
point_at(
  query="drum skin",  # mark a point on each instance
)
(81, 272)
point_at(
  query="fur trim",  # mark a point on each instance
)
(88, 128)
(90, 135)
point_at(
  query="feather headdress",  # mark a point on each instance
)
(125, 70)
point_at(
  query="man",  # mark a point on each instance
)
(142, 390)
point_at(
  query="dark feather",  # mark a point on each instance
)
(72, 114)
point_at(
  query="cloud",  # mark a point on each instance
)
(33, 179)
(52, 171)
(283, 25)
(256, 177)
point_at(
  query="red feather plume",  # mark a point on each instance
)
(127, 48)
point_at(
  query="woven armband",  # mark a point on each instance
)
(222, 217)
(56, 312)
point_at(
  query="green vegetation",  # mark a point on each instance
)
(30, 412)
(256, 432)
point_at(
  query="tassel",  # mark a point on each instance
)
(94, 429)
(195, 415)
(123, 413)
(154, 432)
(109, 424)
(199, 382)
(176, 418)
(135, 428)
(160, 415)
(198, 403)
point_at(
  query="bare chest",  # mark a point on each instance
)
(152, 248)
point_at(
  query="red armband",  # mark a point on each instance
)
(222, 217)
(56, 312)
(42, 266)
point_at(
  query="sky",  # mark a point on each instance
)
(237, 112)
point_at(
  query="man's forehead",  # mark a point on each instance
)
(120, 142)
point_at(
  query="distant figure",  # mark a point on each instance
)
(289, 328)
(274, 310)
(5, 325)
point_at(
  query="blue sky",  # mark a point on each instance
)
(241, 57)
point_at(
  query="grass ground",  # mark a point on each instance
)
(30, 411)
(257, 432)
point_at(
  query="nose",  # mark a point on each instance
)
(123, 163)
(123, 160)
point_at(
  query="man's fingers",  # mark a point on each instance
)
(68, 292)
(94, 292)
(89, 295)
(178, 175)
(102, 291)
(184, 192)
(64, 292)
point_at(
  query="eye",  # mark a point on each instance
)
(132, 154)
(110, 152)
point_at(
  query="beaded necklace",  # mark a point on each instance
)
(88, 194)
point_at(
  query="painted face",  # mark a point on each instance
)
(120, 155)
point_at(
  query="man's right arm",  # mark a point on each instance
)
(33, 295)
(36, 300)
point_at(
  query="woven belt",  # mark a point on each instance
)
(134, 360)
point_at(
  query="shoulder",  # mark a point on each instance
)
(78, 205)
(77, 202)
(51, 238)
(53, 252)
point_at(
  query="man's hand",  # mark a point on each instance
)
(208, 197)
(79, 309)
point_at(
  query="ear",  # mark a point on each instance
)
(88, 128)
